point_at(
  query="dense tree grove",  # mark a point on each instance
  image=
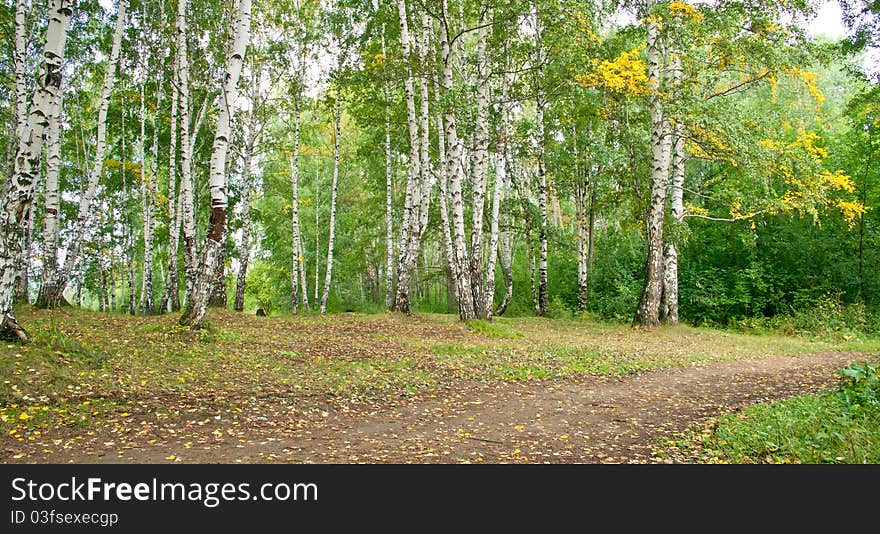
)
(647, 161)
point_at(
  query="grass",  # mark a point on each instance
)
(835, 427)
(87, 368)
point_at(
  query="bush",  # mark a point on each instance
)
(827, 318)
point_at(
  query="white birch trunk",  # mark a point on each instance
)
(648, 311)
(205, 276)
(412, 202)
(328, 276)
(18, 190)
(147, 305)
(448, 246)
(389, 225)
(52, 205)
(19, 59)
(82, 224)
(669, 306)
(302, 276)
(171, 296)
(244, 253)
(294, 180)
(480, 176)
(540, 104)
(454, 168)
(497, 199)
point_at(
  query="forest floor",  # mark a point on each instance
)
(109, 388)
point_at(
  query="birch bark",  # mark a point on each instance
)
(648, 311)
(18, 190)
(197, 305)
(53, 293)
(328, 276)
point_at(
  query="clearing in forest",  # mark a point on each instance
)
(350, 388)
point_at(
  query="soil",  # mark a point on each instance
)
(588, 420)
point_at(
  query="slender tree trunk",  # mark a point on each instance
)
(412, 202)
(19, 59)
(648, 311)
(581, 196)
(669, 305)
(449, 249)
(147, 307)
(219, 295)
(185, 208)
(53, 294)
(196, 307)
(454, 174)
(171, 296)
(302, 276)
(244, 253)
(543, 193)
(317, 239)
(328, 276)
(52, 204)
(497, 198)
(18, 190)
(294, 180)
(481, 174)
(389, 226)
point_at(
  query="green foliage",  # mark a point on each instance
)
(835, 427)
(827, 318)
(860, 385)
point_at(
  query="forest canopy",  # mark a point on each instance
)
(641, 161)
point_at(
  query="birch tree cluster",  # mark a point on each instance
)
(636, 160)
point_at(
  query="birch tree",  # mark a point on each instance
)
(328, 276)
(18, 192)
(196, 306)
(648, 311)
(412, 202)
(51, 294)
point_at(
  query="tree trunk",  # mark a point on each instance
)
(149, 210)
(389, 226)
(52, 207)
(53, 294)
(18, 190)
(196, 307)
(449, 249)
(302, 276)
(219, 295)
(497, 199)
(669, 305)
(294, 180)
(454, 176)
(481, 172)
(543, 193)
(317, 238)
(412, 202)
(244, 253)
(185, 207)
(328, 276)
(171, 296)
(648, 311)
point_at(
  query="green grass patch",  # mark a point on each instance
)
(842, 426)
(494, 329)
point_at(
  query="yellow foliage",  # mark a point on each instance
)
(696, 210)
(683, 10)
(809, 80)
(626, 73)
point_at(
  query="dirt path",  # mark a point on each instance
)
(591, 420)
